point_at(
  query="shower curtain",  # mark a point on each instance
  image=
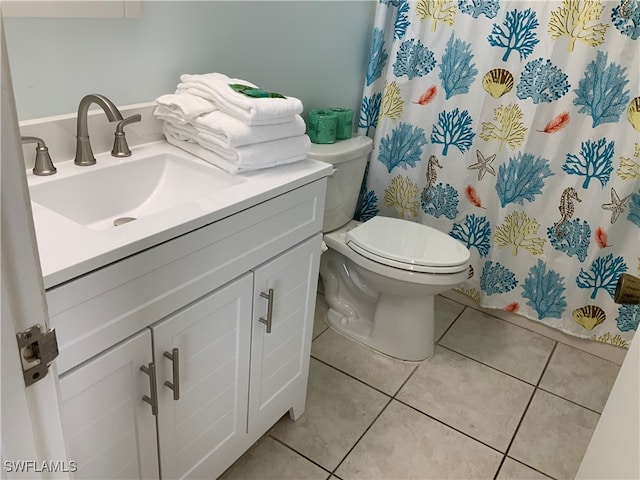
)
(515, 127)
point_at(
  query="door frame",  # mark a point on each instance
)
(31, 424)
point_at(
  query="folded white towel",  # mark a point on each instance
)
(182, 107)
(265, 152)
(231, 167)
(184, 132)
(232, 132)
(253, 111)
(253, 154)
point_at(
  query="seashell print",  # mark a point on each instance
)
(589, 316)
(471, 292)
(618, 341)
(497, 82)
(633, 113)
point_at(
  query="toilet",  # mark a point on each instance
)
(380, 276)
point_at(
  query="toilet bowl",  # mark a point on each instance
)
(380, 276)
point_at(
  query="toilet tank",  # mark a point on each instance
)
(349, 159)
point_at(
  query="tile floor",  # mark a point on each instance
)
(495, 402)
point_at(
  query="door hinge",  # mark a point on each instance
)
(38, 347)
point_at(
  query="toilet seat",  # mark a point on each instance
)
(408, 246)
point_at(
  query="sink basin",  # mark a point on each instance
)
(114, 194)
(168, 192)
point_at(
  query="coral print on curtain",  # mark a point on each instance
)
(515, 127)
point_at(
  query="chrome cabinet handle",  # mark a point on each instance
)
(174, 356)
(153, 401)
(267, 321)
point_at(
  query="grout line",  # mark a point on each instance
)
(491, 366)
(570, 401)
(495, 476)
(393, 397)
(526, 409)
(524, 413)
(406, 380)
(558, 339)
(546, 365)
(529, 466)
(361, 436)
(351, 376)
(451, 325)
(320, 334)
(448, 426)
(301, 454)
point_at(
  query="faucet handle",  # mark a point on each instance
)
(120, 147)
(44, 165)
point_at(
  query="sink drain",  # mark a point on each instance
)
(122, 220)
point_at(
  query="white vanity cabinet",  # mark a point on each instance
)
(280, 348)
(205, 423)
(109, 431)
(230, 305)
(229, 362)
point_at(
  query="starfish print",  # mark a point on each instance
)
(617, 206)
(483, 165)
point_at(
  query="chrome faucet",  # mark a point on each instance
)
(84, 154)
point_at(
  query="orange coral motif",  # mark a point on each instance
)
(512, 307)
(601, 238)
(427, 96)
(472, 196)
(558, 123)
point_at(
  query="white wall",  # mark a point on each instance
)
(615, 446)
(314, 50)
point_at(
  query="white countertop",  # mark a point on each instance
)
(69, 249)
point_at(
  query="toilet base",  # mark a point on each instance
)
(402, 327)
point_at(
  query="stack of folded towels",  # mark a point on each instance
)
(232, 123)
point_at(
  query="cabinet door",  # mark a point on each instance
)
(280, 358)
(204, 430)
(110, 430)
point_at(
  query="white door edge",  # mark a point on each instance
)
(31, 428)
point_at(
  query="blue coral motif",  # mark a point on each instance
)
(453, 128)
(634, 209)
(474, 232)
(594, 161)
(601, 92)
(475, 8)
(496, 278)
(628, 318)
(440, 200)
(542, 81)
(522, 178)
(377, 57)
(545, 291)
(369, 207)
(575, 238)
(628, 23)
(603, 274)
(403, 147)
(457, 72)
(517, 34)
(402, 20)
(370, 112)
(413, 60)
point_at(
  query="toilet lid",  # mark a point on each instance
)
(408, 245)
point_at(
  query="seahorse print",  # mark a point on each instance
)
(566, 209)
(432, 175)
